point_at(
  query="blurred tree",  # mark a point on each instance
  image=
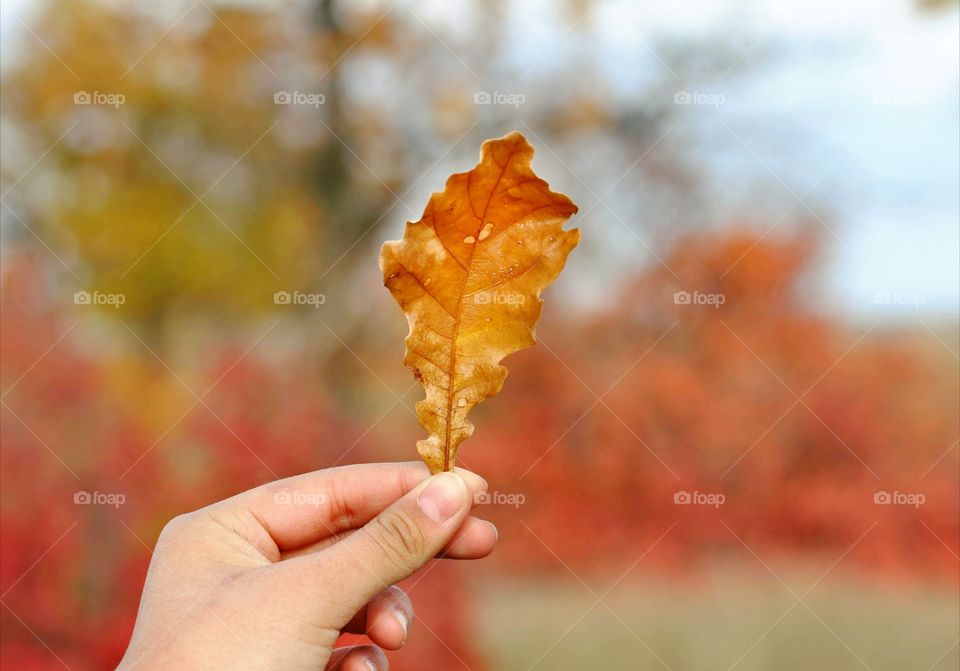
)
(198, 194)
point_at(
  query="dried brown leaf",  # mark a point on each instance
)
(468, 276)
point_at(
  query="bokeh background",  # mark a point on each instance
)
(735, 446)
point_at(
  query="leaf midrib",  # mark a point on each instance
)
(456, 318)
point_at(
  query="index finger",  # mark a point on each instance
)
(304, 509)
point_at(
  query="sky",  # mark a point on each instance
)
(864, 95)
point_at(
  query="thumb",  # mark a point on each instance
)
(394, 545)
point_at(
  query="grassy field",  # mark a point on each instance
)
(732, 620)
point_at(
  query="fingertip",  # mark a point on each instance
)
(475, 539)
(404, 622)
(494, 529)
(444, 496)
(388, 618)
(358, 658)
(389, 631)
(475, 482)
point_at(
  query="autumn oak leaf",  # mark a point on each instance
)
(468, 276)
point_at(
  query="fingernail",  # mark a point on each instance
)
(442, 498)
(372, 665)
(402, 619)
(496, 532)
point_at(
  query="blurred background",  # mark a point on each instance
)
(735, 446)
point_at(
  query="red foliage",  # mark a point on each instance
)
(691, 397)
(704, 398)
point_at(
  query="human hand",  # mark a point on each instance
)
(270, 578)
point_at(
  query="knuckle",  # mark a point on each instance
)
(179, 528)
(400, 538)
